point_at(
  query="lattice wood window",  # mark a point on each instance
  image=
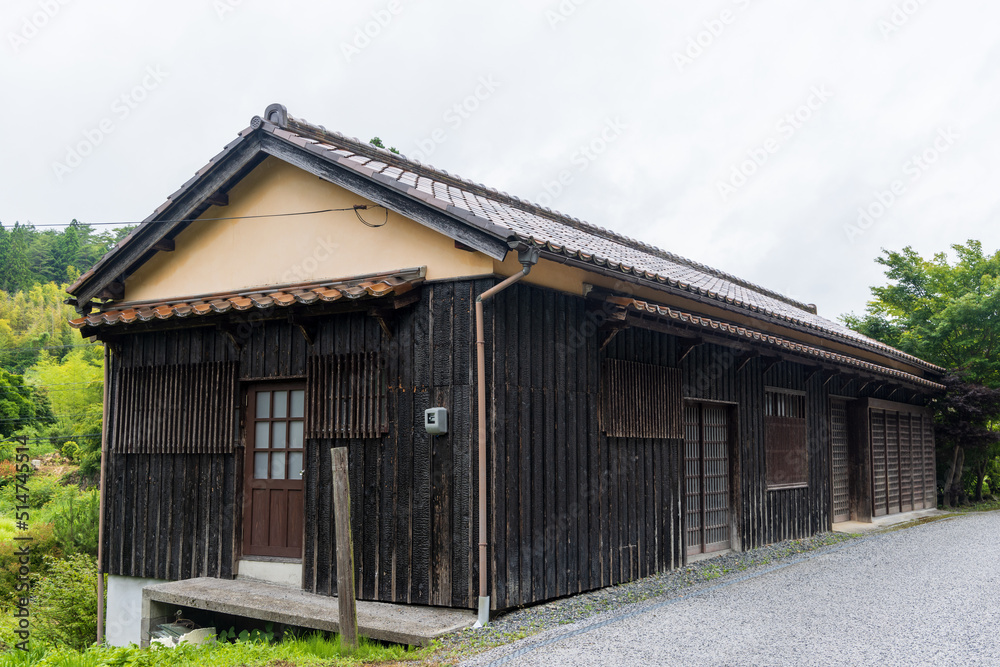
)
(175, 409)
(640, 400)
(785, 439)
(346, 396)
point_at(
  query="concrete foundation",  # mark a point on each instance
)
(280, 573)
(123, 619)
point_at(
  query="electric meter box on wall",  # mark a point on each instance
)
(436, 421)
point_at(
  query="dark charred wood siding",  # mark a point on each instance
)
(570, 509)
(170, 516)
(412, 495)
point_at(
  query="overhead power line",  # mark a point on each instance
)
(355, 208)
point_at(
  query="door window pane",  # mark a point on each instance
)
(298, 403)
(260, 465)
(263, 404)
(295, 465)
(261, 438)
(280, 404)
(278, 435)
(278, 465)
(295, 435)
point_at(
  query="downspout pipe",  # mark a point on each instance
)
(528, 256)
(100, 519)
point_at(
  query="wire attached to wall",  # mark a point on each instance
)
(362, 207)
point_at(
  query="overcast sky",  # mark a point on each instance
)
(745, 134)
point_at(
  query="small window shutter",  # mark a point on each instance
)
(641, 400)
(175, 409)
(785, 440)
(345, 396)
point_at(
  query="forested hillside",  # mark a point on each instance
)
(51, 385)
(50, 378)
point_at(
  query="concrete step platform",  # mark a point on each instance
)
(400, 624)
(877, 523)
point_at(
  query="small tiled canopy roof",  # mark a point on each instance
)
(646, 308)
(373, 287)
(501, 216)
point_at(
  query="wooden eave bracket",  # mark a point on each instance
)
(685, 345)
(830, 377)
(385, 317)
(610, 329)
(230, 333)
(218, 198)
(306, 326)
(385, 313)
(812, 372)
(113, 290)
(769, 363)
(745, 359)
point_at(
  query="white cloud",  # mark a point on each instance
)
(783, 228)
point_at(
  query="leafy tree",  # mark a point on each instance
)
(965, 427)
(15, 270)
(20, 406)
(948, 312)
(75, 387)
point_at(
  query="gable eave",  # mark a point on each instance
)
(238, 159)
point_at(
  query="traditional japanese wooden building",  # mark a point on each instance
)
(306, 290)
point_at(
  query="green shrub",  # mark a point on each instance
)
(75, 518)
(65, 602)
(70, 450)
(43, 544)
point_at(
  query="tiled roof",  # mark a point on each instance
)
(563, 236)
(373, 287)
(733, 330)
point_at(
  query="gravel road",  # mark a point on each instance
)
(926, 595)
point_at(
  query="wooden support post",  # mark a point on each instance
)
(345, 550)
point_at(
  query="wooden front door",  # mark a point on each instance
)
(841, 481)
(273, 488)
(707, 477)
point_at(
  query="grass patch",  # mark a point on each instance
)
(312, 649)
(984, 506)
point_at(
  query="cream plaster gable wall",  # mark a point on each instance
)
(227, 255)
